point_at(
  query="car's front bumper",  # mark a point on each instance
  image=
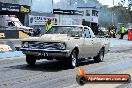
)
(46, 52)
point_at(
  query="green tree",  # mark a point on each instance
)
(122, 3)
(130, 4)
(123, 14)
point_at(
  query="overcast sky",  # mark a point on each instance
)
(109, 2)
(104, 2)
(42, 5)
(46, 5)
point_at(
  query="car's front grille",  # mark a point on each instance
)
(40, 45)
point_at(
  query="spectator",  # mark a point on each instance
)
(122, 32)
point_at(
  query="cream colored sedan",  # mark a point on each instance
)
(68, 43)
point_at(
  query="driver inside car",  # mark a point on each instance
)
(85, 33)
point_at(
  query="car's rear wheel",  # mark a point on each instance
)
(30, 60)
(72, 61)
(100, 56)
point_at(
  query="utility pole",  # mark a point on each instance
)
(31, 2)
(113, 13)
(52, 6)
(113, 2)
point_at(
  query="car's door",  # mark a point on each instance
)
(97, 43)
(88, 43)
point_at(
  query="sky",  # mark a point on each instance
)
(104, 2)
(42, 5)
(109, 2)
(46, 6)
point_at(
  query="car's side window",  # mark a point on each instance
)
(86, 33)
(91, 33)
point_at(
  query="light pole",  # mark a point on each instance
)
(113, 13)
(31, 2)
(52, 4)
(113, 2)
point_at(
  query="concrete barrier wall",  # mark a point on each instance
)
(7, 50)
(10, 33)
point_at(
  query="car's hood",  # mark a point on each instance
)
(54, 37)
(51, 38)
(24, 27)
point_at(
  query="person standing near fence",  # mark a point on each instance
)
(122, 32)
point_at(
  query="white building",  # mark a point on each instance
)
(90, 14)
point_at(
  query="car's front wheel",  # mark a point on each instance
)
(73, 59)
(30, 60)
(100, 56)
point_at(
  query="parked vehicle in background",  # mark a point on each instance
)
(68, 44)
(103, 32)
(127, 29)
(10, 22)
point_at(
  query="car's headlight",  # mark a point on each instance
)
(25, 45)
(61, 46)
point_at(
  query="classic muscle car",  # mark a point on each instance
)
(68, 43)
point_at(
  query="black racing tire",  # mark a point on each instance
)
(100, 56)
(30, 60)
(73, 59)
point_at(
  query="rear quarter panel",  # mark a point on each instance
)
(106, 44)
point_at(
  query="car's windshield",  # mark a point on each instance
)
(18, 24)
(73, 31)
